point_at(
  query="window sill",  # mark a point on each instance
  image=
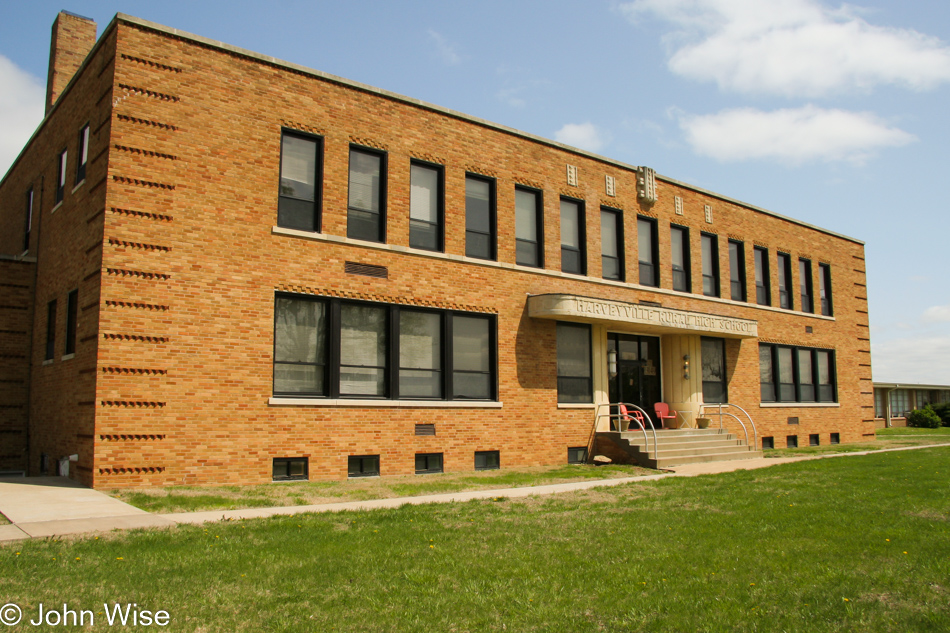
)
(48, 361)
(576, 405)
(798, 405)
(68, 356)
(375, 404)
(78, 185)
(58, 205)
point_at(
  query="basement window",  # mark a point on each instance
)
(814, 440)
(363, 466)
(487, 460)
(835, 438)
(577, 455)
(290, 468)
(768, 443)
(428, 463)
(791, 441)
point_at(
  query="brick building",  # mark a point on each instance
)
(218, 267)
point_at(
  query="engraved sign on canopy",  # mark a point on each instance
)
(574, 308)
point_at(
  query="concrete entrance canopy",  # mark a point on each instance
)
(647, 318)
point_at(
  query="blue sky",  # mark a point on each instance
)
(833, 114)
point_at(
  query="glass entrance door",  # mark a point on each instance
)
(637, 377)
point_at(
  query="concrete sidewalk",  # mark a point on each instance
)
(55, 506)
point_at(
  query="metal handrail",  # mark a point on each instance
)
(620, 417)
(755, 431)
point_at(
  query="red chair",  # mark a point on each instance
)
(663, 413)
(629, 416)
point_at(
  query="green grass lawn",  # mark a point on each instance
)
(943, 431)
(859, 544)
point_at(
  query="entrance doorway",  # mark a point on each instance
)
(637, 379)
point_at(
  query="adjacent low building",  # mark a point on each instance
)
(894, 400)
(219, 267)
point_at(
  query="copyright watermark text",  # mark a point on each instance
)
(115, 614)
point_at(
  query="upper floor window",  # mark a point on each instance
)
(72, 321)
(647, 252)
(762, 287)
(737, 287)
(366, 208)
(574, 373)
(710, 253)
(83, 154)
(479, 217)
(796, 374)
(611, 244)
(50, 330)
(425, 206)
(785, 281)
(824, 289)
(29, 219)
(679, 251)
(298, 206)
(573, 238)
(804, 278)
(61, 178)
(529, 245)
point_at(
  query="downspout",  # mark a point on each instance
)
(887, 407)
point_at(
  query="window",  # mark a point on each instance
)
(479, 217)
(83, 154)
(785, 281)
(768, 443)
(824, 289)
(290, 468)
(611, 244)
(473, 358)
(428, 463)
(300, 346)
(425, 207)
(363, 466)
(796, 374)
(714, 370)
(420, 354)
(804, 276)
(577, 455)
(573, 238)
(528, 229)
(50, 330)
(737, 291)
(763, 294)
(366, 217)
(710, 253)
(72, 314)
(29, 219)
(647, 252)
(679, 254)
(487, 460)
(835, 438)
(363, 350)
(921, 399)
(899, 406)
(791, 441)
(879, 403)
(61, 178)
(574, 378)
(814, 439)
(301, 160)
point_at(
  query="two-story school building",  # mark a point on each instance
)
(219, 267)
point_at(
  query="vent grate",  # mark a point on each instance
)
(367, 270)
(425, 429)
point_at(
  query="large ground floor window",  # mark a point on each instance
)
(714, 370)
(334, 348)
(797, 374)
(574, 372)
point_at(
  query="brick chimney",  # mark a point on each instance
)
(73, 38)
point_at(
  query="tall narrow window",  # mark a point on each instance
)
(472, 358)
(425, 207)
(574, 383)
(679, 251)
(737, 288)
(825, 372)
(573, 257)
(300, 347)
(786, 375)
(714, 370)
(528, 230)
(762, 286)
(647, 252)
(824, 289)
(710, 252)
(420, 354)
(804, 277)
(366, 217)
(82, 154)
(29, 219)
(363, 350)
(766, 374)
(298, 205)
(806, 377)
(479, 217)
(50, 330)
(785, 281)
(61, 178)
(611, 244)
(72, 321)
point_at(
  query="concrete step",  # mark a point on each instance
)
(665, 453)
(711, 445)
(665, 462)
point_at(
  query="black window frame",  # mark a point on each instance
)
(487, 456)
(713, 240)
(725, 370)
(577, 455)
(287, 463)
(50, 330)
(581, 251)
(824, 289)
(439, 224)
(82, 154)
(814, 439)
(383, 197)
(433, 463)
(539, 227)
(72, 322)
(786, 299)
(791, 441)
(818, 389)
(738, 289)
(684, 274)
(317, 225)
(492, 220)
(648, 273)
(768, 443)
(30, 200)
(805, 285)
(763, 285)
(562, 396)
(61, 169)
(835, 438)
(621, 267)
(365, 464)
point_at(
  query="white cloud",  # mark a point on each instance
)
(22, 99)
(790, 136)
(445, 49)
(582, 135)
(795, 48)
(921, 360)
(936, 314)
